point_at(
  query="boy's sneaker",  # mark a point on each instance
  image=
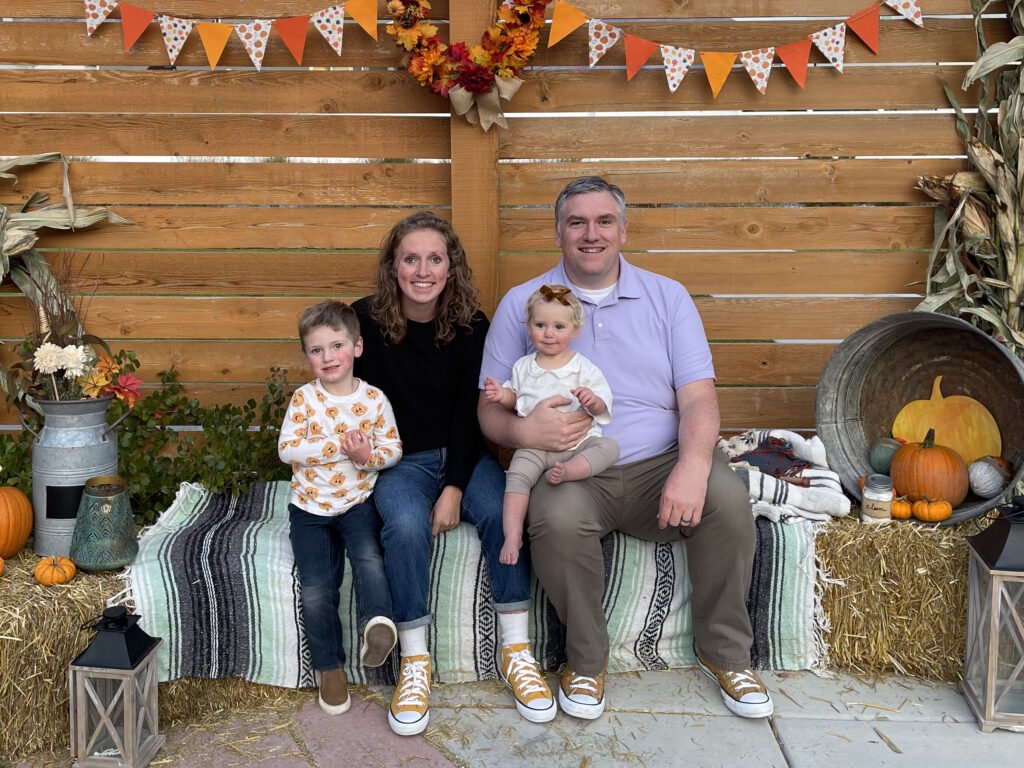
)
(409, 711)
(379, 637)
(521, 673)
(743, 693)
(334, 698)
(581, 696)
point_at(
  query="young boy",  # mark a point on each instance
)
(337, 434)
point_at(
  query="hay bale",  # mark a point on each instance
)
(896, 597)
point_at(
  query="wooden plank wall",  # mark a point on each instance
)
(791, 217)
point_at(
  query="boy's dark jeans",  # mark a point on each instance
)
(319, 544)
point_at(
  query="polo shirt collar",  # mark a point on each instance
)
(627, 287)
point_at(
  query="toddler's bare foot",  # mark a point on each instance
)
(556, 474)
(576, 468)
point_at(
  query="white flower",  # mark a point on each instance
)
(75, 361)
(49, 358)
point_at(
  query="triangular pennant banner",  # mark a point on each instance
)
(794, 56)
(254, 37)
(758, 64)
(564, 19)
(832, 43)
(96, 12)
(865, 25)
(602, 37)
(677, 63)
(175, 32)
(293, 32)
(717, 66)
(365, 13)
(134, 21)
(908, 9)
(215, 37)
(638, 51)
(329, 24)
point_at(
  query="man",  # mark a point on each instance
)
(644, 333)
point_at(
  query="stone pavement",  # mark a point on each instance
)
(653, 720)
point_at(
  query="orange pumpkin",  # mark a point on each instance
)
(961, 423)
(926, 469)
(929, 511)
(54, 570)
(901, 509)
(15, 520)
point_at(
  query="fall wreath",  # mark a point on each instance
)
(473, 78)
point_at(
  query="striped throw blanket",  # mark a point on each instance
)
(215, 578)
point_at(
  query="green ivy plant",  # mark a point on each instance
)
(160, 445)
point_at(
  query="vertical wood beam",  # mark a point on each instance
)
(474, 168)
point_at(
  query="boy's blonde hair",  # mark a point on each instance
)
(335, 314)
(559, 293)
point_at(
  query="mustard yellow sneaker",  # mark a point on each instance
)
(581, 696)
(521, 673)
(743, 692)
(410, 706)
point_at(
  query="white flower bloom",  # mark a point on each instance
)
(76, 361)
(49, 358)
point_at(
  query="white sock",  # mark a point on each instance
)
(515, 627)
(413, 642)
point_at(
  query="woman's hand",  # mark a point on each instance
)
(445, 514)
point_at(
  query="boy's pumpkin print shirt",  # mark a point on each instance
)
(324, 480)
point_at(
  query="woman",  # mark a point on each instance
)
(423, 337)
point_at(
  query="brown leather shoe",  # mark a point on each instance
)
(334, 698)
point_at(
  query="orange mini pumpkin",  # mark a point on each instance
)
(901, 509)
(15, 520)
(54, 570)
(926, 469)
(929, 511)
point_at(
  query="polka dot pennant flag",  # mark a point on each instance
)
(254, 37)
(832, 43)
(908, 9)
(328, 23)
(96, 12)
(758, 64)
(677, 63)
(602, 37)
(175, 31)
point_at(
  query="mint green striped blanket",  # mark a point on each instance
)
(215, 578)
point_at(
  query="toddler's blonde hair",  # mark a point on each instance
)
(558, 293)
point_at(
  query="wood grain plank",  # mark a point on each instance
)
(325, 135)
(726, 135)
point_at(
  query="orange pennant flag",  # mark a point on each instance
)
(794, 56)
(865, 25)
(717, 66)
(364, 12)
(564, 19)
(134, 21)
(638, 51)
(215, 37)
(293, 32)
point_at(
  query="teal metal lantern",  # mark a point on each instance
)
(104, 537)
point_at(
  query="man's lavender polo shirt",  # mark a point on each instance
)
(646, 337)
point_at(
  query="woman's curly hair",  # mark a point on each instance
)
(459, 300)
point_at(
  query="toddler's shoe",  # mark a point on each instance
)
(521, 673)
(743, 693)
(409, 711)
(334, 698)
(379, 637)
(581, 696)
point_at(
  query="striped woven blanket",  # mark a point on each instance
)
(215, 578)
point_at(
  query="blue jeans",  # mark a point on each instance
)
(319, 544)
(404, 496)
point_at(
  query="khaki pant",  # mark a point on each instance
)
(528, 464)
(567, 521)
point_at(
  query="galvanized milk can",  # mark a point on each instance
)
(75, 443)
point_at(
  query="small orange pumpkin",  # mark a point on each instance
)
(929, 511)
(926, 469)
(901, 509)
(54, 570)
(15, 520)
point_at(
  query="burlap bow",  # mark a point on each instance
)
(484, 108)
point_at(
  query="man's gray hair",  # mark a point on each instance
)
(583, 186)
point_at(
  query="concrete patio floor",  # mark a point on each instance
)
(652, 719)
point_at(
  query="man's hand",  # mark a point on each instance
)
(552, 430)
(682, 498)
(445, 514)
